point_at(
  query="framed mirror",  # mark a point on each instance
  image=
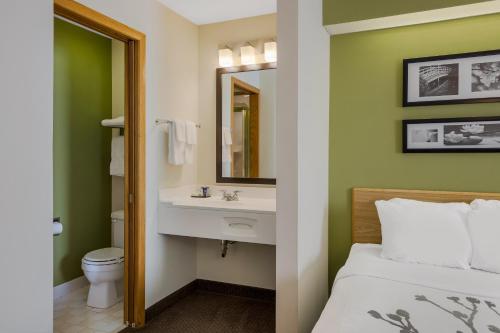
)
(246, 124)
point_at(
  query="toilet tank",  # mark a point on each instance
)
(117, 229)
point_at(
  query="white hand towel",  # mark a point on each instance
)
(227, 141)
(180, 130)
(117, 165)
(227, 138)
(176, 142)
(191, 133)
(191, 140)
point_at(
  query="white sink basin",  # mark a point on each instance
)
(244, 204)
(252, 219)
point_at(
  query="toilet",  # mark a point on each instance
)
(104, 268)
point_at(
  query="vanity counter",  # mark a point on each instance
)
(252, 219)
(245, 204)
(252, 200)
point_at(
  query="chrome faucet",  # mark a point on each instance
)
(228, 196)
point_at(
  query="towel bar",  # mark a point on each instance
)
(163, 121)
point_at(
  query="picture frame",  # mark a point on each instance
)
(452, 79)
(452, 135)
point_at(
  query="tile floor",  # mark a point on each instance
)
(72, 315)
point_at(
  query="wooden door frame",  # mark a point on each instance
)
(135, 41)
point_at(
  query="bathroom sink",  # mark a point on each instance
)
(248, 202)
(252, 219)
(244, 204)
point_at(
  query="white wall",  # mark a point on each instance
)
(245, 264)
(302, 148)
(267, 125)
(26, 64)
(171, 92)
(287, 201)
(313, 129)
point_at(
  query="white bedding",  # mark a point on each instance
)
(371, 294)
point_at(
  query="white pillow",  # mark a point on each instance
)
(425, 232)
(484, 228)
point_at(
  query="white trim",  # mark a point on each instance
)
(451, 13)
(70, 286)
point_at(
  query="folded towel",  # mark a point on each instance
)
(191, 141)
(115, 122)
(227, 138)
(191, 135)
(227, 141)
(176, 142)
(180, 130)
(117, 165)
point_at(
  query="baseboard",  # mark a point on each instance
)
(70, 286)
(160, 306)
(213, 287)
(236, 290)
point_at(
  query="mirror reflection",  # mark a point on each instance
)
(248, 124)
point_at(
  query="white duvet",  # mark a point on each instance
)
(372, 295)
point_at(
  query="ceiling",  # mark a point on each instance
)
(212, 11)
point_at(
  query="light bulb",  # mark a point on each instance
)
(247, 55)
(225, 58)
(270, 52)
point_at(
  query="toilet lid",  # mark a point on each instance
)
(104, 255)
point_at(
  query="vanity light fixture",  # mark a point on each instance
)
(225, 57)
(248, 55)
(270, 52)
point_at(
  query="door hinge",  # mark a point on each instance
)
(130, 198)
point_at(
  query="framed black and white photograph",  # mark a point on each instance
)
(451, 135)
(452, 79)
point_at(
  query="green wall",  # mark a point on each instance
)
(82, 185)
(341, 11)
(366, 114)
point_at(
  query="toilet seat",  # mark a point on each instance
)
(106, 256)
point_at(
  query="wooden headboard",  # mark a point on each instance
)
(365, 222)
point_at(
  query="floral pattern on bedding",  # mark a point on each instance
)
(470, 307)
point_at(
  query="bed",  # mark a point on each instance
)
(372, 294)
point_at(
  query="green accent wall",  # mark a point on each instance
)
(366, 114)
(342, 11)
(82, 185)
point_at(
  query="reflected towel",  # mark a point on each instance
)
(227, 141)
(117, 165)
(227, 138)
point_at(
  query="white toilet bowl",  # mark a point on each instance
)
(104, 270)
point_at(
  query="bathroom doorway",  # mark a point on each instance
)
(133, 168)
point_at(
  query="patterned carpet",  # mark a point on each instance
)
(205, 312)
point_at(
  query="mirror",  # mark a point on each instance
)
(246, 124)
